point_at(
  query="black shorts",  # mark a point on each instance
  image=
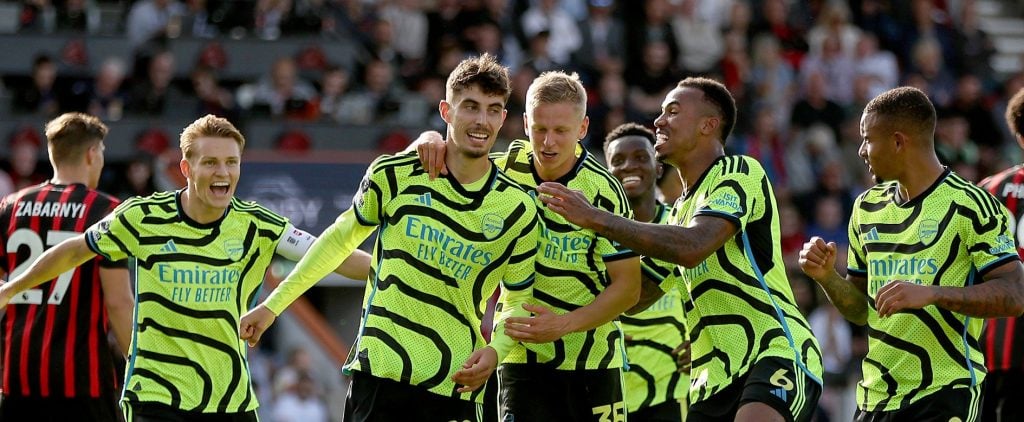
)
(531, 392)
(669, 411)
(1003, 401)
(159, 412)
(38, 409)
(377, 399)
(776, 382)
(947, 404)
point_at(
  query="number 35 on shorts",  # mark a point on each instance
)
(615, 412)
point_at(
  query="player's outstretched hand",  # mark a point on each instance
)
(254, 323)
(544, 326)
(568, 203)
(682, 354)
(476, 370)
(430, 147)
(900, 295)
(818, 259)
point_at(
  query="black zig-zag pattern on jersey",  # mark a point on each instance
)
(651, 268)
(673, 380)
(457, 205)
(446, 354)
(887, 378)
(753, 283)
(912, 349)
(394, 345)
(738, 320)
(429, 299)
(480, 283)
(550, 272)
(236, 364)
(649, 322)
(259, 212)
(187, 257)
(979, 196)
(182, 361)
(171, 388)
(243, 307)
(877, 197)
(609, 353)
(423, 267)
(444, 220)
(807, 347)
(554, 301)
(584, 351)
(716, 353)
(649, 381)
(613, 184)
(935, 328)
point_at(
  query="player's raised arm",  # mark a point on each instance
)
(63, 257)
(817, 260)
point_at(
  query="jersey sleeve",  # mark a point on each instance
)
(856, 264)
(736, 197)
(517, 283)
(112, 236)
(374, 191)
(988, 239)
(327, 252)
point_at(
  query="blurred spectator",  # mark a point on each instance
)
(334, 84)
(648, 25)
(774, 21)
(300, 402)
(305, 17)
(970, 103)
(973, 44)
(211, 97)
(603, 41)
(149, 19)
(700, 42)
(815, 107)
(411, 40)
(350, 20)
(486, 37)
(565, 37)
(270, 15)
(82, 16)
(150, 94)
(834, 22)
(24, 145)
(876, 17)
(954, 146)
(836, 67)
(195, 22)
(137, 178)
(765, 143)
(442, 29)
(376, 99)
(393, 142)
(107, 97)
(36, 16)
(932, 24)
(40, 96)
(735, 66)
(538, 55)
(280, 93)
(829, 222)
(930, 68)
(649, 83)
(771, 78)
(880, 67)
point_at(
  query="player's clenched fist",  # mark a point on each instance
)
(818, 258)
(254, 323)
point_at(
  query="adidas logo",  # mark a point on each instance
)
(169, 247)
(780, 393)
(871, 235)
(423, 199)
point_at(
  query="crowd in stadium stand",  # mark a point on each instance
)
(801, 72)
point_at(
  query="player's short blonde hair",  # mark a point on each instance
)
(556, 87)
(209, 126)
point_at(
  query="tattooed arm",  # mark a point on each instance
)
(1001, 295)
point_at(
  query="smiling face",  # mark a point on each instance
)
(678, 126)
(631, 160)
(212, 170)
(474, 119)
(554, 130)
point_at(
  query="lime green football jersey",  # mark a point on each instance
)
(192, 283)
(949, 235)
(571, 269)
(740, 307)
(653, 377)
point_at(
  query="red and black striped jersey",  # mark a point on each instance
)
(1003, 339)
(55, 335)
